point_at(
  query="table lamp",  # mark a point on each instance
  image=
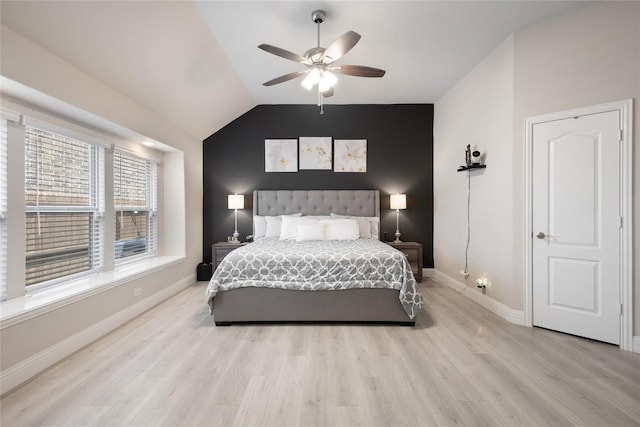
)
(235, 202)
(398, 201)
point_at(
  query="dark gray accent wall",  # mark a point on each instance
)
(399, 160)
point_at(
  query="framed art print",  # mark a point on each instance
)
(315, 153)
(280, 155)
(350, 155)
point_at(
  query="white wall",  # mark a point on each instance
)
(37, 340)
(590, 56)
(477, 111)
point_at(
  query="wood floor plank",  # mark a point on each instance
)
(460, 365)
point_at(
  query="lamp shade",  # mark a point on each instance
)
(236, 201)
(398, 201)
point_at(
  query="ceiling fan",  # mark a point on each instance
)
(320, 62)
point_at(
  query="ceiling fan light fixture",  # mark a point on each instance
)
(327, 81)
(312, 78)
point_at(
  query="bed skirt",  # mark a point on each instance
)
(282, 305)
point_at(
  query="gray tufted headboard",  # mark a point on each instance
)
(317, 202)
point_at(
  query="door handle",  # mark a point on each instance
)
(541, 235)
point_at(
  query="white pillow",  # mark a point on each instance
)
(341, 229)
(318, 217)
(259, 227)
(289, 230)
(311, 231)
(374, 222)
(369, 226)
(274, 224)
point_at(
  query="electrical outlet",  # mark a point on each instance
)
(137, 292)
(464, 274)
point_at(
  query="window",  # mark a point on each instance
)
(135, 202)
(64, 206)
(66, 228)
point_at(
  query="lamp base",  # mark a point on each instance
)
(397, 237)
(235, 237)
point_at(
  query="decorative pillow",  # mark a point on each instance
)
(259, 227)
(341, 229)
(311, 231)
(289, 230)
(369, 226)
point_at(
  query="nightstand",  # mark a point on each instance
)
(221, 250)
(413, 252)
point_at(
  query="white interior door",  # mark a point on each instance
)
(576, 226)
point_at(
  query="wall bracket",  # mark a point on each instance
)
(467, 168)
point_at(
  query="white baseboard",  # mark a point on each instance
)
(429, 272)
(513, 316)
(28, 368)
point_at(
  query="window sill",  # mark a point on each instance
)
(39, 302)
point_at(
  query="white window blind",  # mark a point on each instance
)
(135, 202)
(3, 209)
(64, 211)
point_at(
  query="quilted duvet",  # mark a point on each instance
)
(318, 265)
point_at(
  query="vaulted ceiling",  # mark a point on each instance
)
(197, 62)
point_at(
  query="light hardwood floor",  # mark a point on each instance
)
(460, 365)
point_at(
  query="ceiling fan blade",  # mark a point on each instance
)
(340, 46)
(284, 78)
(327, 93)
(282, 53)
(358, 70)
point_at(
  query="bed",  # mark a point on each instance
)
(301, 279)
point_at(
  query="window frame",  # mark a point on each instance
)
(4, 142)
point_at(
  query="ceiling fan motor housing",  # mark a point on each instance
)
(318, 16)
(314, 56)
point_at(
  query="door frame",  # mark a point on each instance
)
(625, 108)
